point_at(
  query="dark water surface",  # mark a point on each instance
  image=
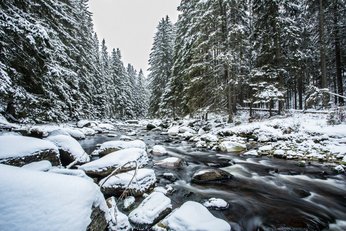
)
(264, 193)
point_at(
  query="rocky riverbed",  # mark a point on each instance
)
(278, 174)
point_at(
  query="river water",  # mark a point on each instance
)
(264, 193)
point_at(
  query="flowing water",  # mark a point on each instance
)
(264, 193)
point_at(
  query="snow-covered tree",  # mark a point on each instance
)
(160, 62)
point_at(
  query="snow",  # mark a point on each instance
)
(106, 126)
(70, 172)
(33, 200)
(150, 209)
(230, 146)
(119, 221)
(121, 158)
(251, 153)
(77, 134)
(159, 150)
(170, 162)
(209, 137)
(43, 166)
(128, 201)
(216, 203)
(70, 145)
(119, 144)
(88, 131)
(142, 181)
(173, 131)
(193, 216)
(10, 147)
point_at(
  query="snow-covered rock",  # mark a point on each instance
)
(123, 160)
(34, 200)
(135, 182)
(111, 146)
(151, 210)
(43, 166)
(159, 150)
(41, 131)
(119, 221)
(170, 162)
(88, 131)
(75, 133)
(279, 153)
(216, 203)
(84, 123)
(265, 150)
(173, 131)
(129, 201)
(192, 216)
(70, 150)
(70, 172)
(209, 137)
(125, 138)
(184, 129)
(251, 153)
(339, 169)
(106, 126)
(207, 175)
(231, 146)
(21, 150)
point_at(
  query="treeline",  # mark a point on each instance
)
(257, 53)
(52, 67)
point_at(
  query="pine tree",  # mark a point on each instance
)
(160, 62)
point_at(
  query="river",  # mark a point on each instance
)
(264, 193)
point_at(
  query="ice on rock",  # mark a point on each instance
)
(159, 150)
(135, 182)
(152, 209)
(123, 160)
(21, 150)
(231, 146)
(111, 146)
(192, 216)
(216, 203)
(69, 148)
(34, 200)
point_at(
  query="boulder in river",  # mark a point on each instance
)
(34, 200)
(159, 150)
(123, 160)
(69, 148)
(119, 221)
(170, 162)
(150, 126)
(192, 216)
(210, 175)
(21, 150)
(152, 209)
(135, 183)
(112, 146)
(216, 203)
(231, 146)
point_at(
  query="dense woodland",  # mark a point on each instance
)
(253, 53)
(53, 67)
(219, 56)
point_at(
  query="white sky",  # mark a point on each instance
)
(130, 25)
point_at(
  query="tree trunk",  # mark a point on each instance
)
(340, 87)
(322, 46)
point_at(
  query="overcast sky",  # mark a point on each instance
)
(130, 25)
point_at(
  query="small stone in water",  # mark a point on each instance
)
(128, 202)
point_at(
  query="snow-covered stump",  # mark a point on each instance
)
(112, 146)
(210, 175)
(152, 209)
(132, 182)
(21, 150)
(34, 200)
(69, 148)
(192, 216)
(122, 160)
